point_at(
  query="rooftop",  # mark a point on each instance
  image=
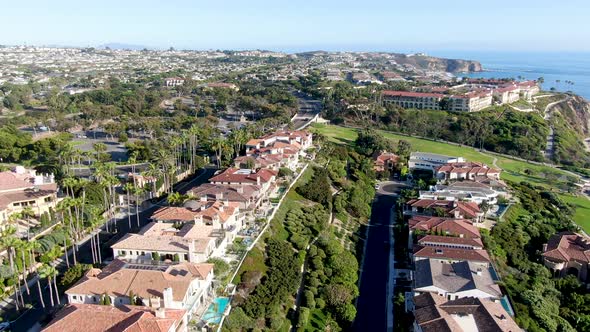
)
(100, 318)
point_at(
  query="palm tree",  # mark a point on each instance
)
(95, 220)
(238, 138)
(24, 248)
(49, 272)
(218, 145)
(165, 162)
(155, 172)
(26, 213)
(128, 187)
(137, 190)
(10, 242)
(65, 157)
(100, 148)
(35, 246)
(175, 198)
(62, 207)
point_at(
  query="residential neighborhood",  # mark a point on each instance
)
(262, 166)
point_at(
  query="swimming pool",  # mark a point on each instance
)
(215, 311)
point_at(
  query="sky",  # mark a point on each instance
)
(360, 25)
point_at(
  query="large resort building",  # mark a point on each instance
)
(470, 97)
(470, 102)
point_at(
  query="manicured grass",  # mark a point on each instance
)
(513, 170)
(344, 135)
(582, 204)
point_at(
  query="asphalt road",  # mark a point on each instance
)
(308, 108)
(29, 319)
(371, 303)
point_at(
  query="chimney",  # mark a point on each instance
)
(167, 293)
(240, 189)
(258, 180)
(155, 302)
(160, 313)
(203, 198)
(478, 272)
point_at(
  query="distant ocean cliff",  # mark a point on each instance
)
(561, 71)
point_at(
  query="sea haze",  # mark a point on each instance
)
(573, 67)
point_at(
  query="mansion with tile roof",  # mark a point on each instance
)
(181, 286)
(100, 318)
(434, 313)
(21, 188)
(452, 209)
(568, 253)
(466, 171)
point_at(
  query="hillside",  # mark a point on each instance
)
(570, 120)
(439, 64)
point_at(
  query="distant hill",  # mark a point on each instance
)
(421, 61)
(123, 46)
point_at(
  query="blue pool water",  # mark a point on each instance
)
(215, 311)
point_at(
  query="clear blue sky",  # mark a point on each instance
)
(410, 25)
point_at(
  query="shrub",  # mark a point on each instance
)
(73, 274)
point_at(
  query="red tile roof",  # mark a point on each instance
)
(467, 209)
(455, 254)
(442, 240)
(232, 175)
(568, 246)
(452, 226)
(124, 318)
(413, 94)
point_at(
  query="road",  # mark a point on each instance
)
(28, 320)
(372, 301)
(550, 145)
(308, 108)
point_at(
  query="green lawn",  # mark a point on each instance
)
(512, 170)
(582, 204)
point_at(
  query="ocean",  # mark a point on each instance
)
(555, 68)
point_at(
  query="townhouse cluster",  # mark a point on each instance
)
(464, 182)
(22, 188)
(473, 96)
(454, 284)
(159, 276)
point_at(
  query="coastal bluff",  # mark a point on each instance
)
(439, 64)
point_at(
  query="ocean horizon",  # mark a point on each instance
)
(556, 68)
